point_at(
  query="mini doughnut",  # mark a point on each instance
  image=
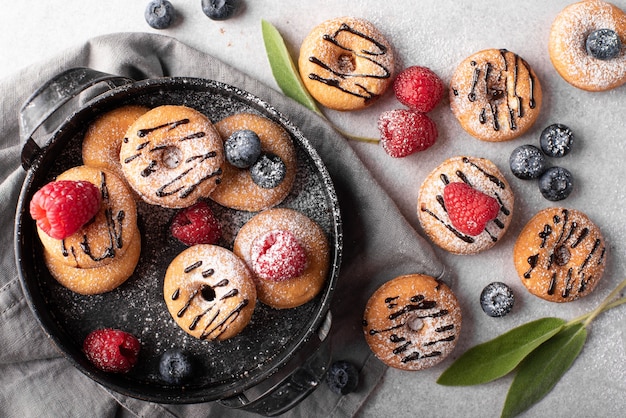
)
(495, 95)
(172, 155)
(92, 281)
(412, 322)
(103, 139)
(560, 255)
(209, 292)
(482, 175)
(294, 291)
(567, 45)
(112, 230)
(346, 63)
(237, 190)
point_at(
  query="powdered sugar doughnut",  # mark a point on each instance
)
(560, 255)
(237, 190)
(297, 290)
(482, 175)
(96, 280)
(209, 292)
(495, 95)
(346, 63)
(111, 231)
(567, 45)
(412, 322)
(103, 139)
(172, 156)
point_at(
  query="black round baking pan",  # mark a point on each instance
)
(278, 359)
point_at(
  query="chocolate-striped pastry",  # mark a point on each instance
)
(560, 255)
(346, 63)
(172, 155)
(412, 322)
(209, 292)
(495, 95)
(481, 175)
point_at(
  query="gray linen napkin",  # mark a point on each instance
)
(35, 380)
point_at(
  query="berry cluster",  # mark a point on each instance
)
(406, 131)
(160, 14)
(243, 150)
(528, 162)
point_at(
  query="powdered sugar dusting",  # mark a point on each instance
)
(568, 51)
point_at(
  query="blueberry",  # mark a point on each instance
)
(527, 162)
(556, 183)
(497, 299)
(242, 148)
(159, 14)
(556, 140)
(268, 171)
(342, 377)
(220, 9)
(175, 367)
(603, 44)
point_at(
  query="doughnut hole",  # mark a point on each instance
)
(346, 63)
(171, 157)
(207, 293)
(415, 323)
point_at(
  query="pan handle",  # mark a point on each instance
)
(304, 372)
(51, 97)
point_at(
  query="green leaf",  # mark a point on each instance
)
(495, 358)
(543, 368)
(283, 68)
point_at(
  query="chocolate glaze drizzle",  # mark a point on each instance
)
(178, 184)
(501, 94)
(346, 81)
(463, 177)
(417, 307)
(566, 235)
(114, 223)
(219, 321)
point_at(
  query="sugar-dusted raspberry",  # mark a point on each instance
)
(419, 88)
(277, 255)
(469, 209)
(112, 350)
(196, 225)
(62, 207)
(403, 132)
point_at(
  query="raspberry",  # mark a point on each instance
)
(196, 225)
(403, 132)
(277, 255)
(418, 88)
(62, 207)
(469, 209)
(112, 350)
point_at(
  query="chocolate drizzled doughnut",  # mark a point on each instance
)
(172, 155)
(412, 322)
(346, 63)
(495, 95)
(209, 292)
(479, 173)
(560, 255)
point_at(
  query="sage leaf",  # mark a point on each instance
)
(284, 69)
(543, 368)
(495, 358)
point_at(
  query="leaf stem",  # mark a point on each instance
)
(607, 303)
